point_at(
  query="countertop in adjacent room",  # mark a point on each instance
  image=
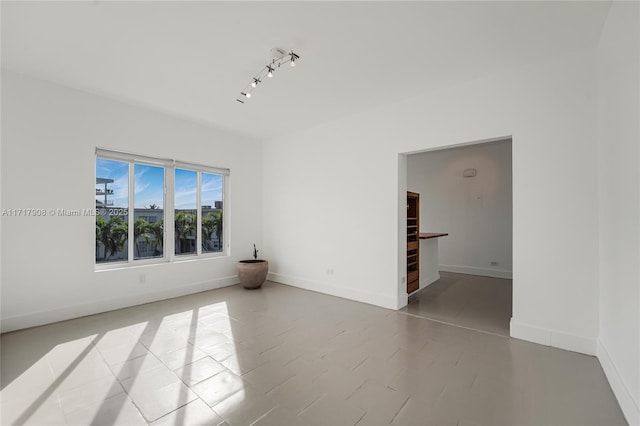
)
(427, 235)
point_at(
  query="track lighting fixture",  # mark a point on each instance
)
(280, 57)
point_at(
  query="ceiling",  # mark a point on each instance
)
(191, 59)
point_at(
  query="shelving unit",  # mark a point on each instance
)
(413, 241)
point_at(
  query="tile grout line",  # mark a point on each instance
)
(360, 419)
(400, 409)
(455, 325)
(312, 403)
(264, 415)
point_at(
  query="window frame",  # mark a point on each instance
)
(169, 253)
(199, 169)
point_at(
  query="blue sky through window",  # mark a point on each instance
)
(149, 185)
(186, 185)
(211, 189)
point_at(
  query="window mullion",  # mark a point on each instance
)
(199, 213)
(130, 233)
(225, 215)
(169, 227)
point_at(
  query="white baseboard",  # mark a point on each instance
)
(34, 319)
(472, 270)
(630, 407)
(555, 338)
(343, 292)
(427, 282)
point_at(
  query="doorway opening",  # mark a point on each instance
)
(465, 228)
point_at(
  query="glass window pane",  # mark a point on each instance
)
(148, 201)
(112, 204)
(186, 201)
(211, 200)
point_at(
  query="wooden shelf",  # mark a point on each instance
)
(413, 248)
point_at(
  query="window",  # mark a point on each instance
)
(148, 219)
(187, 197)
(112, 203)
(186, 218)
(198, 211)
(211, 193)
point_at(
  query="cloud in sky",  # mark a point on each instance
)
(186, 186)
(211, 188)
(148, 186)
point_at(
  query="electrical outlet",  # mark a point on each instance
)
(329, 271)
(494, 263)
(142, 278)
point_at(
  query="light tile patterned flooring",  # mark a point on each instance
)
(285, 356)
(480, 303)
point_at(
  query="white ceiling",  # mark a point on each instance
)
(192, 59)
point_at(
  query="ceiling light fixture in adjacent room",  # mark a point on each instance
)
(280, 57)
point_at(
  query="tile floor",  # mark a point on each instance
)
(480, 303)
(285, 356)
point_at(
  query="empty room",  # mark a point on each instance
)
(204, 213)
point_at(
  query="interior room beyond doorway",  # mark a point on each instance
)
(466, 193)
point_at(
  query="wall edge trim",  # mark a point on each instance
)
(474, 270)
(34, 319)
(554, 338)
(630, 407)
(332, 290)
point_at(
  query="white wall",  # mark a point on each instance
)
(619, 202)
(49, 136)
(475, 212)
(429, 265)
(331, 194)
